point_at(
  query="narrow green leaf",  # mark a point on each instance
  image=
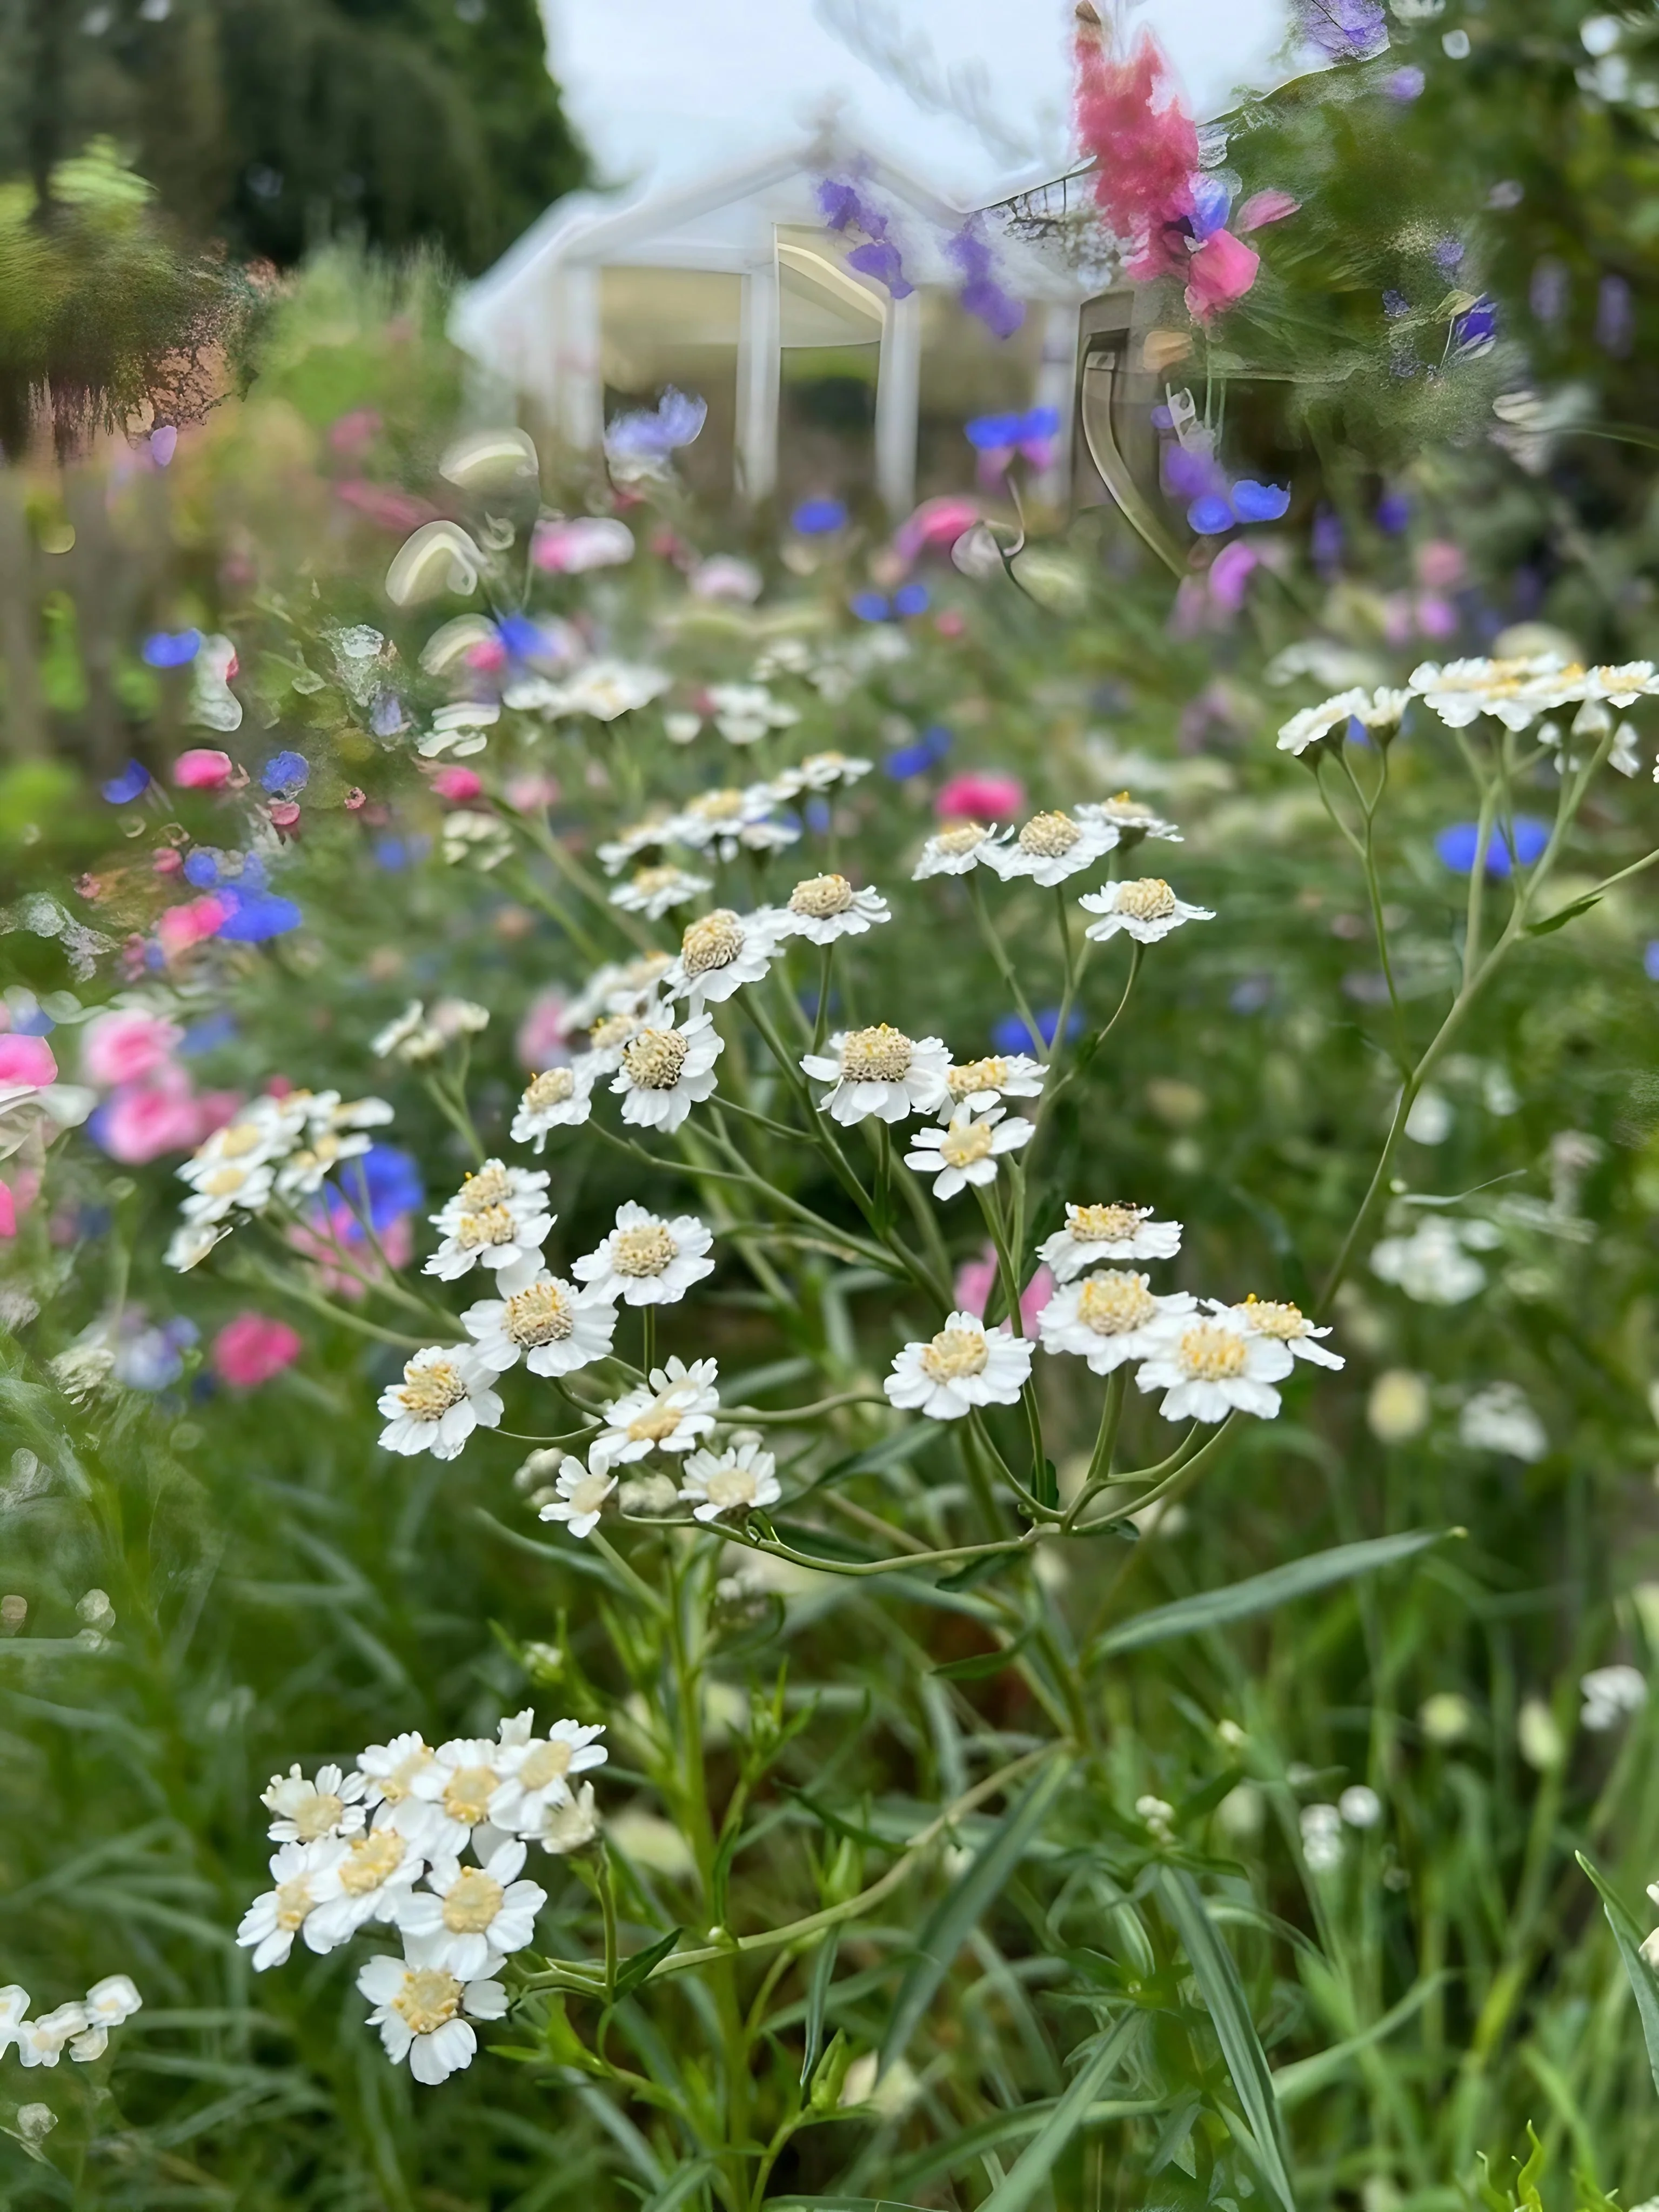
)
(637, 1967)
(1222, 1992)
(1031, 2169)
(1628, 1937)
(963, 1904)
(817, 1996)
(1559, 921)
(686, 2183)
(979, 1664)
(1303, 2077)
(1263, 1592)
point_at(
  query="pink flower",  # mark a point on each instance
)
(1130, 117)
(181, 926)
(976, 1278)
(979, 795)
(1229, 572)
(1263, 208)
(8, 1211)
(457, 785)
(353, 434)
(951, 624)
(344, 1260)
(28, 1060)
(1221, 271)
(934, 527)
(589, 541)
(141, 1120)
(1436, 617)
(126, 1045)
(385, 505)
(529, 793)
(284, 813)
(1440, 565)
(541, 1039)
(204, 768)
(250, 1349)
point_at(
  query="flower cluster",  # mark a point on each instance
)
(384, 1841)
(1515, 693)
(81, 2028)
(275, 1150)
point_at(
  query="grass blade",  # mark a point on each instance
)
(1628, 1937)
(1031, 2169)
(1222, 1992)
(1262, 1593)
(968, 1897)
(817, 1996)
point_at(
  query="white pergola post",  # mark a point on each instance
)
(1056, 387)
(760, 355)
(898, 400)
(580, 381)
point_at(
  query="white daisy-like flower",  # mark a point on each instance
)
(718, 819)
(964, 1365)
(226, 1188)
(649, 1259)
(537, 1773)
(1286, 1324)
(966, 1149)
(557, 1098)
(745, 712)
(620, 986)
(1054, 845)
(409, 1036)
(454, 1789)
(1094, 1233)
(303, 1877)
(1514, 692)
(565, 1828)
(582, 1493)
(882, 1071)
(1132, 820)
(1313, 725)
(498, 1219)
(418, 2009)
(670, 1412)
(107, 2004)
(461, 729)
(554, 1328)
(639, 837)
(303, 1812)
(265, 1130)
(819, 772)
(444, 1396)
(1108, 1318)
(466, 1914)
(721, 951)
(41, 2041)
(606, 689)
(654, 891)
(606, 1038)
(372, 1881)
(1622, 685)
(1144, 907)
(822, 909)
(301, 1174)
(730, 1481)
(190, 1244)
(1208, 1369)
(955, 850)
(389, 1771)
(977, 1084)
(15, 2002)
(666, 1068)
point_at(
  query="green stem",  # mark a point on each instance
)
(1005, 965)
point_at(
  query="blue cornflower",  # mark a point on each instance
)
(257, 916)
(132, 783)
(284, 774)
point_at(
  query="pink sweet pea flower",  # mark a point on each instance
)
(1261, 207)
(141, 1120)
(250, 1349)
(586, 541)
(126, 1045)
(975, 1279)
(1220, 271)
(182, 926)
(934, 527)
(979, 795)
(457, 785)
(26, 1061)
(204, 768)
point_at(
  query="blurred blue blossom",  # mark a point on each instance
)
(170, 648)
(1010, 1034)
(817, 518)
(383, 1182)
(284, 774)
(132, 783)
(1458, 845)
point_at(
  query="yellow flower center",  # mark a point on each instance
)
(656, 1422)
(717, 806)
(541, 1314)
(490, 1224)
(966, 1142)
(1210, 1354)
(427, 1999)
(395, 1786)
(650, 968)
(318, 1816)
(428, 1392)
(654, 1059)
(241, 1136)
(962, 839)
(882, 1054)
(955, 1352)
(549, 1761)
(1276, 1318)
(474, 1899)
(1123, 808)
(371, 1859)
(293, 1901)
(611, 1030)
(714, 942)
(821, 896)
(1046, 836)
(730, 1486)
(489, 1187)
(830, 763)
(1112, 1305)
(590, 1493)
(467, 1793)
(644, 1251)
(1104, 1224)
(976, 1075)
(552, 1089)
(224, 1182)
(650, 881)
(1148, 898)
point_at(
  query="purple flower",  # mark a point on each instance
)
(1475, 331)
(284, 774)
(1651, 960)
(132, 783)
(653, 433)
(386, 717)
(1346, 30)
(817, 518)
(1406, 84)
(170, 648)
(1325, 540)
(1259, 502)
(879, 258)
(1395, 304)
(1393, 512)
(1211, 201)
(201, 868)
(1615, 322)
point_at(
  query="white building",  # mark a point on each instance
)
(734, 287)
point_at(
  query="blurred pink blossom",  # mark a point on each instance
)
(141, 1120)
(541, 1041)
(1220, 271)
(204, 768)
(1440, 565)
(1229, 572)
(529, 793)
(126, 1045)
(249, 1349)
(346, 1264)
(1260, 208)
(385, 504)
(8, 1211)
(951, 624)
(181, 926)
(456, 785)
(587, 541)
(979, 795)
(1436, 617)
(354, 433)
(934, 527)
(976, 1278)
(26, 1061)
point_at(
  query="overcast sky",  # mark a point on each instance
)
(970, 93)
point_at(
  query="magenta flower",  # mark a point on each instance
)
(981, 795)
(249, 1349)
